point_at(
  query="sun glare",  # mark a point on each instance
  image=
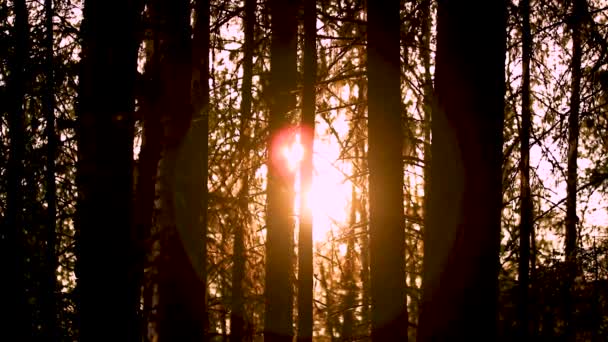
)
(294, 153)
(329, 195)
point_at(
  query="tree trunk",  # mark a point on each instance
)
(197, 151)
(105, 248)
(348, 276)
(15, 314)
(462, 234)
(526, 206)
(428, 111)
(305, 247)
(571, 182)
(182, 276)
(147, 168)
(237, 314)
(279, 238)
(49, 306)
(387, 227)
(365, 282)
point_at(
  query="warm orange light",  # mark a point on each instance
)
(329, 194)
(293, 153)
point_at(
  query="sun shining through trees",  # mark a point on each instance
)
(330, 193)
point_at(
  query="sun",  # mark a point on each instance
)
(329, 194)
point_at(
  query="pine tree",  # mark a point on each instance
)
(461, 237)
(105, 170)
(387, 225)
(279, 227)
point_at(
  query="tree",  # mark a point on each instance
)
(49, 306)
(305, 247)
(279, 226)
(387, 221)
(15, 313)
(182, 308)
(147, 165)
(461, 237)
(526, 206)
(579, 8)
(237, 314)
(105, 170)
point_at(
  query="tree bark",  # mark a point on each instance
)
(387, 222)
(105, 248)
(307, 132)
(462, 234)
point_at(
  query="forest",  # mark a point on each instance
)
(280, 170)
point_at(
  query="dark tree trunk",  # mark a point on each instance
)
(305, 246)
(237, 314)
(182, 288)
(279, 238)
(49, 306)
(197, 152)
(147, 169)
(105, 248)
(428, 111)
(461, 239)
(387, 225)
(526, 206)
(571, 181)
(348, 276)
(364, 237)
(15, 313)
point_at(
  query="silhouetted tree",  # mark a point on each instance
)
(387, 225)
(15, 314)
(576, 18)
(461, 237)
(237, 313)
(181, 273)
(279, 224)
(307, 132)
(147, 166)
(526, 206)
(49, 306)
(105, 170)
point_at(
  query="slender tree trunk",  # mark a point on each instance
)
(149, 157)
(348, 276)
(428, 97)
(182, 268)
(15, 313)
(105, 248)
(365, 283)
(49, 307)
(305, 247)
(428, 110)
(387, 227)
(462, 234)
(526, 206)
(237, 314)
(279, 238)
(571, 182)
(198, 148)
